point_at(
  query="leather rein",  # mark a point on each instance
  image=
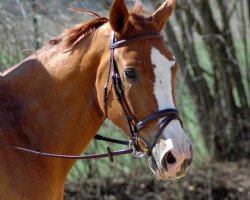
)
(137, 146)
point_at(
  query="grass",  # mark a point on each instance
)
(8, 60)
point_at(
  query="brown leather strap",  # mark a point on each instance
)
(136, 39)
(109, 155)
(157, 115)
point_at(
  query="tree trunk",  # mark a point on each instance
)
(223, 109)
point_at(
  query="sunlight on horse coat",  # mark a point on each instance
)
(53, 101)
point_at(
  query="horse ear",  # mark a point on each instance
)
(118, 16)
(161, 15)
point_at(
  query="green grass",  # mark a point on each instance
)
(8, 60)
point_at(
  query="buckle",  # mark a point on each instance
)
(136, 152)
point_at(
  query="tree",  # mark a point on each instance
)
(219, 82)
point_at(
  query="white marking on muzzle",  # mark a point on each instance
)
(173, 133)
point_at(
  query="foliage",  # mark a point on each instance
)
(7, 60)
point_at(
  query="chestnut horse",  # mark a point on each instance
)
(53, 101)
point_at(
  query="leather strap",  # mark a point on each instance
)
(121, 43)
(110, 153)
(157, 115)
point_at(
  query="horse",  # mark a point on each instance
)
(53, 101)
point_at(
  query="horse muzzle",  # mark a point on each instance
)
(172, 154)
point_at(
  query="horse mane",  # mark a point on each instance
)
(72, 36)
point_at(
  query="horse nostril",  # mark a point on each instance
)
(170, 158)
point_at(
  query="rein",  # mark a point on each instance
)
(136, 145)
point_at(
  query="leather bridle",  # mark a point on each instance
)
(133, 125)
(137, 146)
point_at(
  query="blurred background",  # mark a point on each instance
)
(211, 41)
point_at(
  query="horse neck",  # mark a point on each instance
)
(59, 111)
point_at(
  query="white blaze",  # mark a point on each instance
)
(162, 85)
(175, 139)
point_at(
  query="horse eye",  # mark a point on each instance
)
(130, 73)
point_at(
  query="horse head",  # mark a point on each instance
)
(147, 72)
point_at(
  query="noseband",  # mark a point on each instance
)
(134, 126)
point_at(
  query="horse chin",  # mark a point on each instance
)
(158, 171)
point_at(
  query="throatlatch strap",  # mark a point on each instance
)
(100, 137)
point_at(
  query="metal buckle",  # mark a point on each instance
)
(135, 152)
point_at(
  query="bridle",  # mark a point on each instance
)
(138, 147)
(133, 125)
